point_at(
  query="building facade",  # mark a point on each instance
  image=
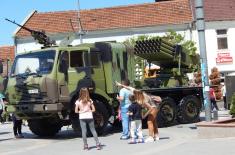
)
(7, 55)
(123, 22)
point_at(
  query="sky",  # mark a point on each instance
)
(18, 10)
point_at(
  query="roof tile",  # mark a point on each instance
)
(7, 52)
(141, 15)
(219, 10)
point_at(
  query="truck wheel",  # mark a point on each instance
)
(101, 116)
(44, 127)
(189, 109)
(75, 122)
(167, 112)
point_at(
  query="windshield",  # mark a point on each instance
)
(38, 63)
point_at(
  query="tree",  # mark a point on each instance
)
(215, 82)
(174, 38)
(171, 37)
(232, 108)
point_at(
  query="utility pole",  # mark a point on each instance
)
(203, 57)
(80, 32)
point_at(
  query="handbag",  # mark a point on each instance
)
(86, 115)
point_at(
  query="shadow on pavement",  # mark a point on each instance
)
(71, 134)
(3, 133)
(163, 138)
(6, 139)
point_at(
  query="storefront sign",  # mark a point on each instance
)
(220, 60)
(224, 58)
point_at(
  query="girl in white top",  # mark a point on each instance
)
(84, 107)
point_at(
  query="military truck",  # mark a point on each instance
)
(44, 84)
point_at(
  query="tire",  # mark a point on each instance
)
(189, 109)
(101, 116)
(167, 112)
(45, 127)
(75, 122)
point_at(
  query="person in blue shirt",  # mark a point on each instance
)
(123, 98)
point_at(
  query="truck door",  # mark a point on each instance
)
(62, 76)
(79, 73)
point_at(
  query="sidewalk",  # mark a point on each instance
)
(221, 115)
(216, 115)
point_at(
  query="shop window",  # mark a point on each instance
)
(222, 40)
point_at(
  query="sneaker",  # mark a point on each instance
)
(156, 138)
(21, 136)
(124, 137)
(149, 139)
(133, 141)
(17, 136)
(141, 140)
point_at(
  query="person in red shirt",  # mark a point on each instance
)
(213, 101)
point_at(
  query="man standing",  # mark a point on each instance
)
(224, 96)
(213, 101)
(123, 98)
(17, 125)
(1, 109)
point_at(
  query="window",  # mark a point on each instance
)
(222, 39)
(80, 59)
(64, 62)
(38, 62)
(76, 59)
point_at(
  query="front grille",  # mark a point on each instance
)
(23, 92)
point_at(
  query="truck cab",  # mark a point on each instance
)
(43, 85)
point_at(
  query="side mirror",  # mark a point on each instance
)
(1, 67)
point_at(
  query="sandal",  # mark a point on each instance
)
(86, 147)
(98, 146)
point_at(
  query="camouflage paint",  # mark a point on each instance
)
(58, 90)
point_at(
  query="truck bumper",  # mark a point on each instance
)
(38, 108)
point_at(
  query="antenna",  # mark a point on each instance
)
(70, 38)
(81, 32)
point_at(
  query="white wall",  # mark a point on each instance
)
(29, 45)
(120, 36)
(212, 48)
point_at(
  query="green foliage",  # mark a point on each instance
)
(171, 37)
(232, 108)
(133, 40)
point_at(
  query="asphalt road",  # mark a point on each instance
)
(177, 140)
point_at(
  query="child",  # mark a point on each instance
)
(85, 107)
(135, 114)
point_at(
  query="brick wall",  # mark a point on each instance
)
(6, 52)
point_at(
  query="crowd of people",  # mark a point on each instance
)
(135, 106)
(132, 103)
